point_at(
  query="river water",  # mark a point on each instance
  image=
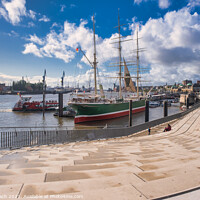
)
(8, 118)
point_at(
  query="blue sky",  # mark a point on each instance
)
(37, 35)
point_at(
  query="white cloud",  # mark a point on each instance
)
(3, 13)
(56, 25)
(13, 34)
(35, 39)
(193, 3)
(13, 10)
(139, 1)
(79, 66)
(32, 48)
(32, 14)
(63, 45)
(72, 5)
(44, 19)
(51, 46)
(163, 4)
(30, 24)
(4, 78)
(173, 46)
(62, 8)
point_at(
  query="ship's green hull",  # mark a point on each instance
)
(102, 111)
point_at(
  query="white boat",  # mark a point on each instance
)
(154, 104)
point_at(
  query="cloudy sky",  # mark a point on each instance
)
(43, 34)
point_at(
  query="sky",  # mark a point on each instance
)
(43, 34)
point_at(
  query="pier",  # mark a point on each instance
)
(137, 166)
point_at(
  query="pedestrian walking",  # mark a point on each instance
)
(149, 131)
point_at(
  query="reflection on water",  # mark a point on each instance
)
(35, 119)
(5, 110)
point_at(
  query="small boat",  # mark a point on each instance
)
(67, 112)
(154, 104)
(24, 104)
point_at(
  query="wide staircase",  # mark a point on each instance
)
(154, 166)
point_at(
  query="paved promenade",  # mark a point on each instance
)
(136, 167)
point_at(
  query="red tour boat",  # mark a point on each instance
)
(24, 104)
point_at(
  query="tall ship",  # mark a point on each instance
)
(96, 107)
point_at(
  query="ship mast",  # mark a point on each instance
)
(62, 80)
(95, 59)
(137, 78)
(120, 58)
(44, 91)
(120, 64)
(94, 64)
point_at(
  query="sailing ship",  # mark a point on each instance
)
(94, 107)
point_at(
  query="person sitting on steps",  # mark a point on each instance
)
(168, 128)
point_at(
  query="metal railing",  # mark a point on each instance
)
(31, 138)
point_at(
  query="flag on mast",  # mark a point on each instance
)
(19, 94)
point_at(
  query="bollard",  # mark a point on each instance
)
(165, 107)
(146, 111)
(60, 100)
(130, 113)
(187, 102)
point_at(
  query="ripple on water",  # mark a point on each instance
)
(6, 110)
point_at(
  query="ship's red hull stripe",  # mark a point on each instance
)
(80, 119)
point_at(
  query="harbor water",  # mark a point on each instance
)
(18, 120)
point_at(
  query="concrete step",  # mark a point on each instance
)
(171, 185)
(80, 186)
(100, 160)
(17, 171)
(40, 164)
(22, 178)
(90, 174)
